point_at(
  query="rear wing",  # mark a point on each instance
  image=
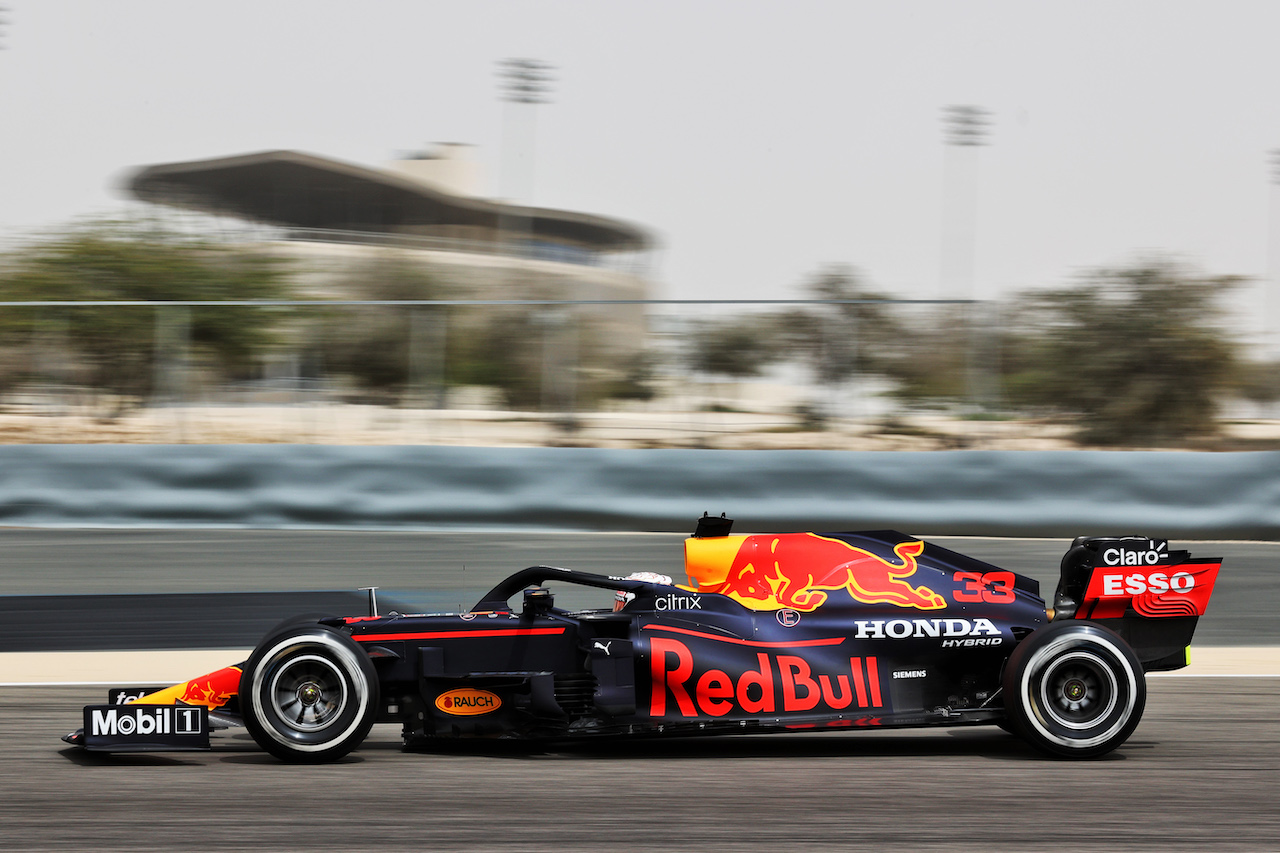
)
(1150, 594)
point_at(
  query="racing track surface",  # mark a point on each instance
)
(1200, 773)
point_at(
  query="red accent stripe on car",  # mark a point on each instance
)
(438, 635)
(791, 644)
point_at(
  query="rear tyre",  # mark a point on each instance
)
(309, 694)
(1074, 689)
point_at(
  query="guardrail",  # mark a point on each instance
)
(1185, 495)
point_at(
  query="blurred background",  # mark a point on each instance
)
(832, 225)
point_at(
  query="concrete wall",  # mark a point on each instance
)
(1185, 495)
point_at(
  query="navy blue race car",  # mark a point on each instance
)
(770, 632)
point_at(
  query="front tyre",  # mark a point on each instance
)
(1074, 689)
(309, 694)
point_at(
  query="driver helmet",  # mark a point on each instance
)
(622, 597)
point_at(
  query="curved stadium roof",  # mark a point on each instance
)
(297, 190)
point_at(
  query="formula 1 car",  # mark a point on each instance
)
(775, 632)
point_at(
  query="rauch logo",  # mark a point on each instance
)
(468, 702)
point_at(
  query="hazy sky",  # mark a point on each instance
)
(759, 140)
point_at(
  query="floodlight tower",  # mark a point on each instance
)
(1271, 304)
(525, 84)
(964, 132)
(4, 21)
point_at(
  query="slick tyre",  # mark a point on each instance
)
(1074, 690)
(294, 621)
(309, 694)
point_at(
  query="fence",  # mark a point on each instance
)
(609, 372)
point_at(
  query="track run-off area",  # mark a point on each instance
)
(1201, 772)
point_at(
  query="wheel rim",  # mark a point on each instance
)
(1078, 690)
(309, 665)
(308, 693)
(1061, 662)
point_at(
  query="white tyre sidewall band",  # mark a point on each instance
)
(359, 688)
(1041, 658)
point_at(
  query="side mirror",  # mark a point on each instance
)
(538, 600)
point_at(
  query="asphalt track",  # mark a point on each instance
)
(1200, 773)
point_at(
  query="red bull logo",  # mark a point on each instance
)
(798, 570)
(212, 691)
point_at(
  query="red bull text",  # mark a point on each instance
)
(778, 683)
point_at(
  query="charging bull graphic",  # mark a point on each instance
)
(797, 570)
(213, 690)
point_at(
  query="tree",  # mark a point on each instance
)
(854, 333)
(738, 347)
(508, 348)
(929, 360)
(383, 348)
(1259, 382)
(114, 349)
(851, 337)
(1135, 355)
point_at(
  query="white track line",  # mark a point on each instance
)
(113, 668)
(1213, 675)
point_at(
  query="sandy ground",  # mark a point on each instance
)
(327, 423)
